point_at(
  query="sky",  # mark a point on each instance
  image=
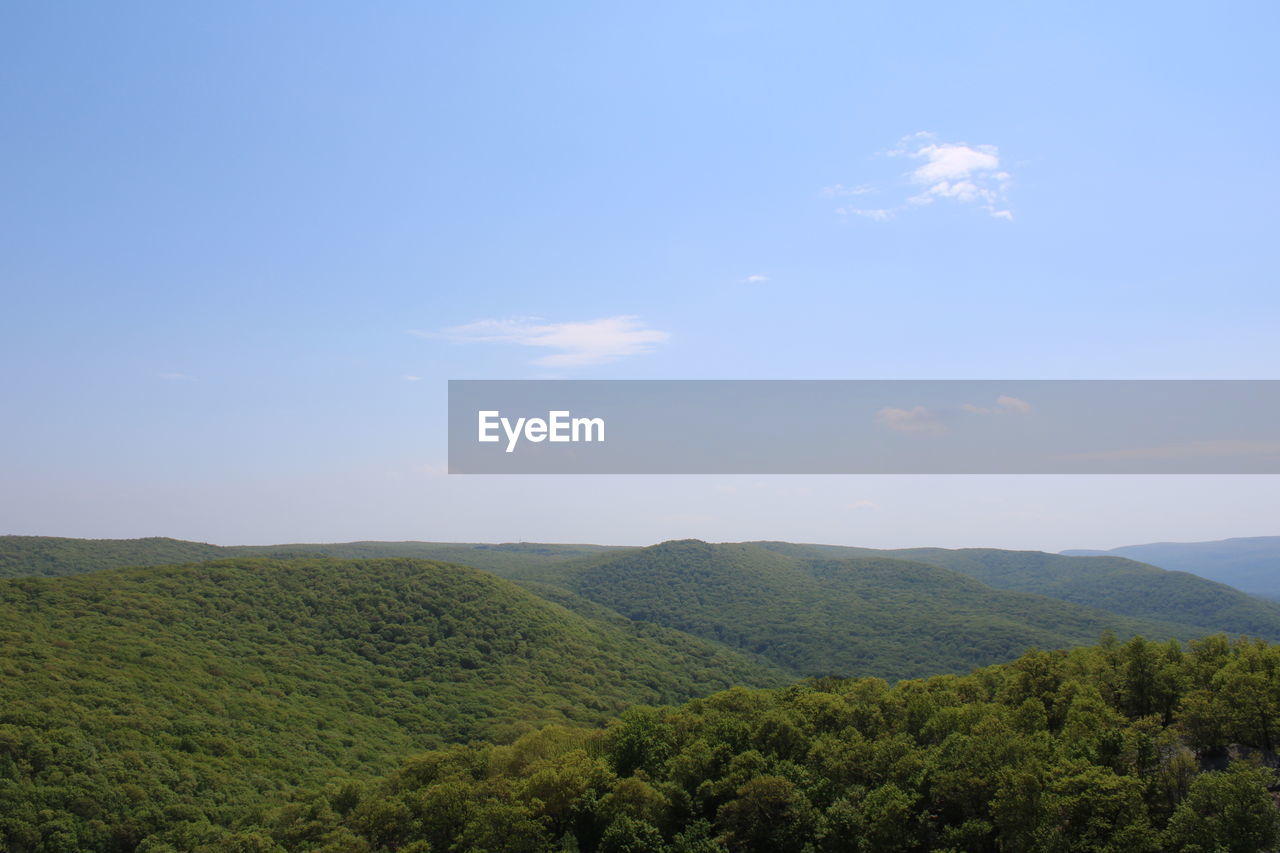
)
(243, 247)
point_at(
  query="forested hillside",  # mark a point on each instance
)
(131, 698)
(22, 556)
(1250, 563)
(890, 618)
(1133, 748)
(810, 609)
(244, 705)
(1117, 584)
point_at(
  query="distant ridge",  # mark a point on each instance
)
(234, 681)
(811, 610)
(1248, 563)
(822, 610)
(1116, 583)
(52, 556)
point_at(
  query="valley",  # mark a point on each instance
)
(197, 704)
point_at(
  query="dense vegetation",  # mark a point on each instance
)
(23, 556)
(245, 704)
(1250, 563)
(134, 698)
(819, 617)
(1181, 602)
(1117, 584)
(1125, 748)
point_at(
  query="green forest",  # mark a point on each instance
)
(1116, 747)
(681, 697)
(131, 695)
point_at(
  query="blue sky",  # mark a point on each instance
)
(243, 246)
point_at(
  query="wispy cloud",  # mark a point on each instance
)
(1210, 448)
(575, 344)
(176, 377)
(923, 420)
(756, 279)
(948, 171)
(917, 420)
(877, 214)
(409, 377)
(1004, 404)
(840, 190)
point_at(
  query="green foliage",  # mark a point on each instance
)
(810, 609)
(133, 700)
(818, 616)
(47, 556)
(1229, 811)
(1048, 753)
(1123, 586)
(1247, 563)
(259, 705)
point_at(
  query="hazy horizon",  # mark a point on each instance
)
(238, 273)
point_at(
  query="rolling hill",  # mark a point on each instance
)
(51, 556)
(1117, 584)
(204, 688)
(1251, 564)
(818, 616)
(172, 702)
(48, 556)
(1141, 748)
(811, 609)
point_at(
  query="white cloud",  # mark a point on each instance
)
(1211, 448)
(576, 344)
(879, 214)
(948, 171)
(756, 279)
(838, 190)
(409, 377)
(918, 419)
(953, 162)
(1004, 403)
(1013, 404)
(968, 174)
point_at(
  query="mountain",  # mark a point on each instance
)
(817, 616)
(1117, 584)
(1251, 564)
(202, 689)
(48, 556)
(810, 609)
(1141, 747)
(23, 556)
(245, 703)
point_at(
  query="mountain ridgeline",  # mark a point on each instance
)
(243, 699)
(1117, 584)
(1133, 748)
(818, 611)
(207, 687)
(811, 610)
(1251, 563)
(23, 556)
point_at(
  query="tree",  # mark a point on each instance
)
(1090, 809)
(1227, 811)
(768, 814)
